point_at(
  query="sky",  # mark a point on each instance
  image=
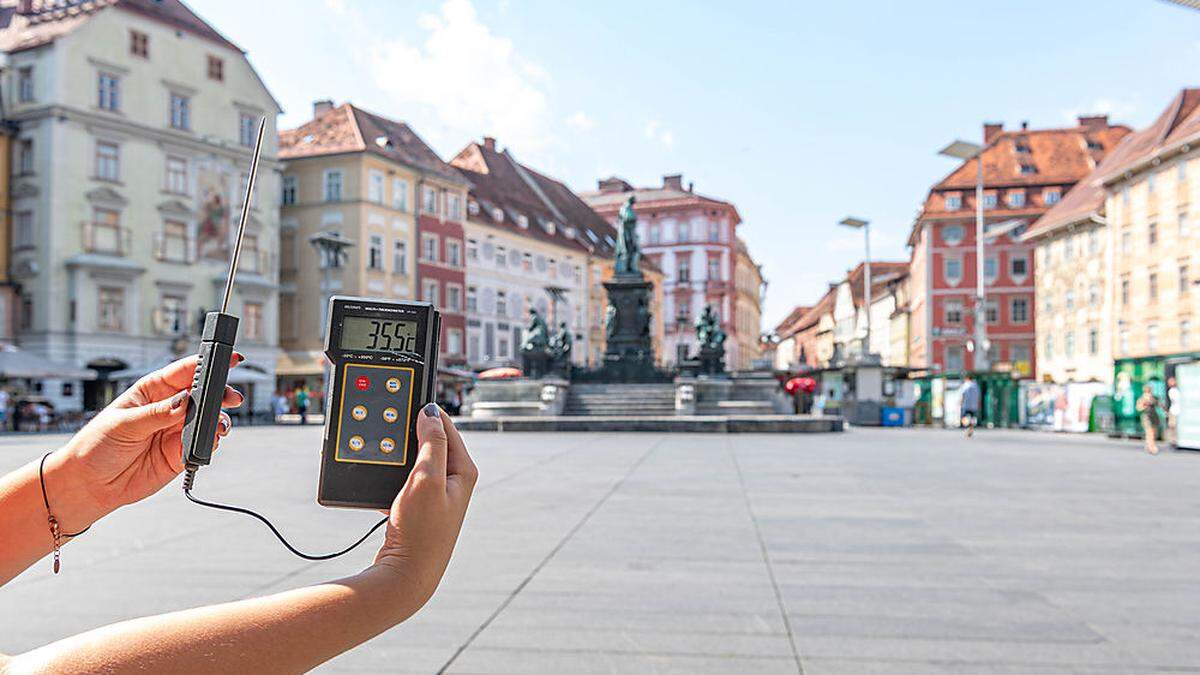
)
(799, 113)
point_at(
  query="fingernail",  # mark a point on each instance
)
(178, 399)
(238, 357)
(224, 424)
(431, 410)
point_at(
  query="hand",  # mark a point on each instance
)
(427, 515)
(131, 449)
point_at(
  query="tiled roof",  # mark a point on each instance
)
(348, 128)
(1176, 125)
(657, 197)
(1055, 156)
(810, 318)
(50, 19)
(1084, 200)
(783, 327)
(554, 213)
(882, 273)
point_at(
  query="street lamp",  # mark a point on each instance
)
(331, 251)
(865, 226)
(965, 150)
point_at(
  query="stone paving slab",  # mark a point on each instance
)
(872, 551)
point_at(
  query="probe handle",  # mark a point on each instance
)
(208, 388)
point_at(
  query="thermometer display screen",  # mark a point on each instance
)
(364, 333)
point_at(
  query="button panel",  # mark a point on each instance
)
(372, 415)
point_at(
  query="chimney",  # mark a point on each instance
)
(1093, 122)
(691, 185)
(1024, 125)
(321, 107)
(489, 143)
(613, 184)
(673, 181)
(991, 130)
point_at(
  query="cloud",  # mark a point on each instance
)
(580, 121)
(470, 80)
(656, 132)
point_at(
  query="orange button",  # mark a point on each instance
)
(387, 445)
(393, 384)
(356, 443)
(390, 415)
(359, 412)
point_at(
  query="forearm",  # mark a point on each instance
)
(24, 527)
(285, 633)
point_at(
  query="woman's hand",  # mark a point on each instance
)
(130, 450)
(427, 515)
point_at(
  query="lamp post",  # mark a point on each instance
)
(865, 226)
(965, 150)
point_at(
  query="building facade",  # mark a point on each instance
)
(749, 291)
(364, 178)
(135, 124)
(693, 240)
(1025, 173)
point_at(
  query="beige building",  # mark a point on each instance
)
(749, 289)
(355, 174)
(135, 125)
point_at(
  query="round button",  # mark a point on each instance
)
(363, 383)
(357, 443)
(390, 415)
(359, 412)
(393, 384)
(387, 445)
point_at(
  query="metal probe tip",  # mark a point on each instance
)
(241, 232)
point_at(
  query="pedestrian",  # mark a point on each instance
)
(818, 406)
(969, 396)
(130, 451)
(5, 399)
(280, 405)
(1174, 408)
(1147, 407)
(302, 400)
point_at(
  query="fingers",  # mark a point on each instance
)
(458, 460)
(431, 435)
(232, 398)
(224, 424)
(152, 417)
(175, 376)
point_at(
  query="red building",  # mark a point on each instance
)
(441, 261)
(1025, 172)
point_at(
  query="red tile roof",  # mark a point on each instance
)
(1083, 202)
(1178, 124)
(882, 273)
(50, 19)
(348, 128)
(650, 198)
(554, 213)
(782, 329)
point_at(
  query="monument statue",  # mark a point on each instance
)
(628, 252)
(610, 321)
(535, 350)
(712, 342)
(560, 350)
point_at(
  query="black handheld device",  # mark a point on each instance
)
(384, 368)
(216, 350)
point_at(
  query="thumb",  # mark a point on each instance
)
(151, 417)
(431, 435)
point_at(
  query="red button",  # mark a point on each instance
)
(363, 383)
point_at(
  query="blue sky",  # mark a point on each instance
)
(798, 112)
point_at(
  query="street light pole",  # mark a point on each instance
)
(865, 225)
(965, 150)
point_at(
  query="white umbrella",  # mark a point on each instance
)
(16, 364)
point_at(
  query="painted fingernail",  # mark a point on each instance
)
(238, 357)
(431, 410)
(224, 424)
(178, 399)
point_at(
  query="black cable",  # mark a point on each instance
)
(189, 478)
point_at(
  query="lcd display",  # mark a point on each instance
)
(364, 333)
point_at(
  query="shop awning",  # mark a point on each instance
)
(16, 364)
(300, 363)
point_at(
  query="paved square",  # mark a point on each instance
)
(871, 551)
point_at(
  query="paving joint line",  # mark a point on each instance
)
(766, 557)
(550, 556)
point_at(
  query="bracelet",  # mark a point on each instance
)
(54, 529)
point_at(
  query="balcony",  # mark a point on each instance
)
(256, 262)
(716, 286)
(167, 320)
(174, 249)
(107, 239)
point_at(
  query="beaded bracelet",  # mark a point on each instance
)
(54, 529)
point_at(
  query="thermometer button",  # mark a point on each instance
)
(356, 443)
(359, 412)
(387, 445)
(393, 384)
(363, 383)
(390, 415)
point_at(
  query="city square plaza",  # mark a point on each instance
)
(867, 551)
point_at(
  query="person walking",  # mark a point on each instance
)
(1174, 408)
(1147, 407)
(302, 400)
(970, 405)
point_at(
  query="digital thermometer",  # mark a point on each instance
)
(384, 369)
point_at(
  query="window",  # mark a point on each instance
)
(1048, 306)
(25, 84)
(1152, 337)
(173, 314)
(1122, 337)
(139, 44)
(1094, 295)
(247, 130)
(23, 229)
(453, 253)
(289, 190)
(108, 161)
(953, 201)
(527, 262)
(454, 207)
(399, 194)
(952, 235)
(1069, 344)
(1181, 171)
(173, 244)
(429, 247)
(252, 260)
(1068, 248)
(683, 270)
(1048, 346)
(1019, 354)
(110, 309)
(989, 268)
(181, 112)
(1185, 280)
(523, 221)
(1185, 334)
(714, 269)
(501, 256)
(954, 311)
(989, 201)
(1183, 226)
(1152, 284)
(333, 186)
(472, 299)
(1051, 196)
(108, 92)
(654, 233)
(429, 201)
(25, 157)
(501, 303)
(1124, 289)
(429, 291)
(216, 68)
(952, 268)
(1015, 199)
(685, 231)
(1069, 300)
(1018, 266)
(375, 186)
(454, 298)
(399, 257)
(1150, 183)
(375, 252)
(1152, 233)
(1093, 341)
(991, 311)
(954, 358)
(1019, 310)
(453, 341)
(177, 175)
(252, 319)
(472, 249)
(1126, 240)
(1093, 244)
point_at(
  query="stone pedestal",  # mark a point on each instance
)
(629, 351)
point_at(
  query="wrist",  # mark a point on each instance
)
(404, 590)
(68, 493)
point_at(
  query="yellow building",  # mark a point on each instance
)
(747, 313)
(353, 174)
